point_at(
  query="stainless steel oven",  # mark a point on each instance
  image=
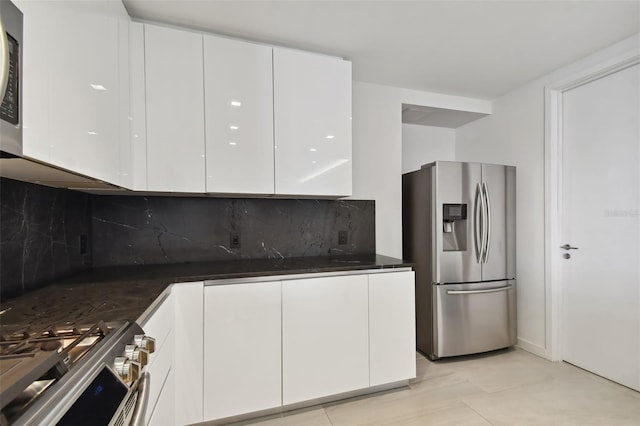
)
(10, 79)
(81, 376)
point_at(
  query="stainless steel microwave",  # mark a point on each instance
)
(10, 79)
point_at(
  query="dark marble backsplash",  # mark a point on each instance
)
(40, 229)
(150, 230)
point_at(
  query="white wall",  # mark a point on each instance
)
(377, 151)
(426, 144)
(514, 134)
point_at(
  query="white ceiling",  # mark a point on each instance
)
(479, 48)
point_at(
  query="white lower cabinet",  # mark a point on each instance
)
(242, 348)
(188, 328)
(230, 349)
(325, 342)
(165, 411)
(392, 327)
(159, 326)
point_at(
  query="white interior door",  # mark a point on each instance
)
(600, 201)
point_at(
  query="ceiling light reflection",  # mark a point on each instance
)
(324, 170)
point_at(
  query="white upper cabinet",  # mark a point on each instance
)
(75, 76)
(174, 110)
(312, 110)
(136, 156)
(238, 116)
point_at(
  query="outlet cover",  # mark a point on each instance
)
(234, 240)
(342, 238)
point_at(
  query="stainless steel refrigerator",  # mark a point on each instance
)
(459, 231)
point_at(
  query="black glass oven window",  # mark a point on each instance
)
(98, 403)
(9, 109)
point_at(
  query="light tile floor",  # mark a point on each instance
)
(510, 387)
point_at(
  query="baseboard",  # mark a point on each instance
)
(532, 347)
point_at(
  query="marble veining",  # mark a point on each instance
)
(41, 227)
(40, 231)
(122, 293)
(154, 230)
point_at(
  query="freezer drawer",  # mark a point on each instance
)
(473, 318)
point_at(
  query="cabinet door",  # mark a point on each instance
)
(312, 116)
(164, 413)
(136, 156)
(73, 73)
(242, 348)
(325, 338)
(188, 356)
(158, 369)
(159, 325)
(392, 332)
(175, 110)
(239, 116)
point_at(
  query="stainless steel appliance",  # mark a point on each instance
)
(10, 79)
(90, 375)
(459, 230)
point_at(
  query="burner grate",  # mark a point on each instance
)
(44, 356)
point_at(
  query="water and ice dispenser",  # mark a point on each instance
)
(454, 227)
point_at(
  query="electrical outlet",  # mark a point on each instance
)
(234, 240)
(83, 244)
(342, 238)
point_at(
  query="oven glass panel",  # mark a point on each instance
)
(98, 403)
(9, 108)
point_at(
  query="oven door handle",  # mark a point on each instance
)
(143, 399)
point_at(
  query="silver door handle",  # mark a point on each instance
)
(4, 58)
(488, 290)
(487, 244)
(568, 247)
(141, 403)
(476, 224)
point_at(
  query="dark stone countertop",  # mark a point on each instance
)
(123, 293)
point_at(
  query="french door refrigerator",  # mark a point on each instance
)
(459, 231)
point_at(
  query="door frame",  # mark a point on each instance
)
(553, 163)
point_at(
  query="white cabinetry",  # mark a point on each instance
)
(176, 367)
(160, 326)
(75, 81)
(392, 335)
(174, 110)
(239, 116)
(165, 410)
(325, 342)
(242, 348)
(136, 156)
(188, 362)
(312, 112)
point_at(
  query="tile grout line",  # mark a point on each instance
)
(476, 411)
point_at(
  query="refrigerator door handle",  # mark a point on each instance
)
(477, 223)
(488, 290)
(487, 227)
